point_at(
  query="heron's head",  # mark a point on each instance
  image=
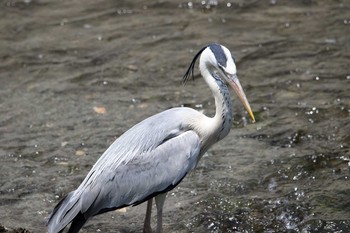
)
(217, 59)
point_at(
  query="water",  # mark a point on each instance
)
(75, 75)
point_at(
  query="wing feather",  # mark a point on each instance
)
(150, 158)
(143, 177)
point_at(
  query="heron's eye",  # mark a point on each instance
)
(221, 68)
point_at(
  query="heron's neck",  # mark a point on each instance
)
(220, 124)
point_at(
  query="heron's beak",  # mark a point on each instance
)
(236, 86)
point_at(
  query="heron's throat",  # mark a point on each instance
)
(220, 124)
(223, 114)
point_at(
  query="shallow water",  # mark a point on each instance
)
(75, 75)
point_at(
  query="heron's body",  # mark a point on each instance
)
(149, 159)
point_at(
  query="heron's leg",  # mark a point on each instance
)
(147, 224)
(160, 203)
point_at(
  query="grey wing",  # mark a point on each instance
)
(147, 175)
(150, 158)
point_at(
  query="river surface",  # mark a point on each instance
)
(74, 75)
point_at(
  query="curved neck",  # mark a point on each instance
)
(222, 121)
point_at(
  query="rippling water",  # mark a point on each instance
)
(75, 75)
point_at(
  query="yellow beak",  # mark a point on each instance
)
(236, 86)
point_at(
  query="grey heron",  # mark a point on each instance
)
(153, 156)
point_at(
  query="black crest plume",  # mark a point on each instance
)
(190, 70)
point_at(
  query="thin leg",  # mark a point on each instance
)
(160, 203)
(147, 224)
